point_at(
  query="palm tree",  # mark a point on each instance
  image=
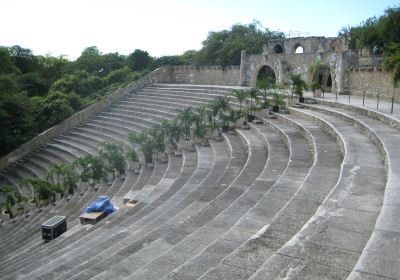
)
(298, 84)
(12, 197)
(97, 169)
(224, 111)
(241, 96)
(56, 170)
(173, 132)
(158, 137)
(42, 189)
(113, 157)
(201, 128)
(70, 178)
(252, 97)
(81, 165)
(263, 87)
(186, 118)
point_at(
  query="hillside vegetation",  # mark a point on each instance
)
(38, 92)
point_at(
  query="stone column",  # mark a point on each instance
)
(341, 72)
(281, 73)
(242, 78)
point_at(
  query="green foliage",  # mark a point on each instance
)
(12, 197)
(391, 61)
(186, 118)
(112, 155)
(298, 84)
(138, 60)
(43, 189)
(37, 92)
(16, 122)
(381, 36)
(132, 155)
(314, 86)
(224, 47)
(317, 67)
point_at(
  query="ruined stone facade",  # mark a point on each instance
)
(349, 71)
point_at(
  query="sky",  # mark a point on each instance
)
(169, 27)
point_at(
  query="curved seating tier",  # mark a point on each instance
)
(312, 194)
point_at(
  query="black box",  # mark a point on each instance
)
(54, 227)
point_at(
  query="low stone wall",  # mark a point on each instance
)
(372, 81)
(203, 75)
(78, 118)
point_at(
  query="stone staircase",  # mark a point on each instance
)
(313, 194)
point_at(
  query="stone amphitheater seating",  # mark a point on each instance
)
(312, 194)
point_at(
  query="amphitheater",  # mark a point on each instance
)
(311, 193)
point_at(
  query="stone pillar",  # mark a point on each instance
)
(281, 72)
(242, 78)
(341, 72)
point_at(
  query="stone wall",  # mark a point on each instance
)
(203, 75)
(372, 81)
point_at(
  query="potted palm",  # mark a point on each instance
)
(10, 201)
(252, 99)
(278, 99)
(133, 159)
(314, 86)
(298, 86)
(263, 86)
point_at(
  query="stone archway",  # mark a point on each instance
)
(324, 78)
(265, 71)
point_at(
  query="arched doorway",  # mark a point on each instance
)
(266, 72)
(324, 78)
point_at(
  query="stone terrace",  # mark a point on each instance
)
(310, 194)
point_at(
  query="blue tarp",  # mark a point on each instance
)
(101, 204)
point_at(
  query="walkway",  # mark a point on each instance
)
(369, 103)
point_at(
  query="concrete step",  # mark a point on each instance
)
(157, 222)
(385, 230)
(342, 224)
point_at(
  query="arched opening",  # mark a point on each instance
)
(278, 49)
(329, 82)
(324, 78)
(266, 72)
(298, 48)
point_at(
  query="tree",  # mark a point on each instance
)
(17, 124)
(138, 60)
(251, 100)
(89, 60)
(56, 170)
(42, 189)
(263, 87)
(186, 119)
(224, 47)
(12, 197)
(241, 96)
(7, 66)
(58, 106)
(298, 84)
(112, 155)
(82, 166)
(391, 62)
(23, 59)
(173, 132)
